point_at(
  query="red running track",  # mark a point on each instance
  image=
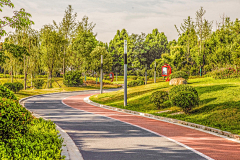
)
(213, 146)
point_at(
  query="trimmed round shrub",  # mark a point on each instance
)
(73, 79)
(160, 99)
(186, 100)
(179, 88)
(15, 87)
(6, 93)
(179, 74)
(14, 119)
(38, 83)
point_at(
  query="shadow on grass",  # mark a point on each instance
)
(215, 107)
(119, 97)
(213, 88)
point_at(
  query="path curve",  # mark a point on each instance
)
(210, 145)
(102, 138)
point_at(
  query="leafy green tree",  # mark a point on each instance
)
(116, 48)
(96, 60)
(51, 43)
(67, 27)
(83, 44)
(18, 20)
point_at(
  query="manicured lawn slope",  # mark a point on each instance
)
(219, 102)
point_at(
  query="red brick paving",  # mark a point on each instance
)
(213, 146)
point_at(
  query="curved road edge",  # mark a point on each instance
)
(69, 148)
(86, 100)
(210, 130)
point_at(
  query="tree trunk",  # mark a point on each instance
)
(25, 74)
(31, 80)
(11, 74)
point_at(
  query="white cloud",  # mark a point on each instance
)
(135, 16)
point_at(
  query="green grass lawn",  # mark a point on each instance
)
(219, 102)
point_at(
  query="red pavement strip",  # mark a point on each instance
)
(212, 146)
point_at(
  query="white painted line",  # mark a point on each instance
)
(183, 145)
(140, 114)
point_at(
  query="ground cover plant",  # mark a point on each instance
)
(23, 136)
(218, 106)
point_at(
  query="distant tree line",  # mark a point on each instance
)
(72, 45)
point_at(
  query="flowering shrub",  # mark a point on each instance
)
(225, 73)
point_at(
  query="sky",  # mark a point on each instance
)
(135, 16)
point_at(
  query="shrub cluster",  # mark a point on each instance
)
(184, 96)
(179, 74)
(15, 87)
(135, 83)
(160, 99)
(225, 73)
(73, 79)
(22, 136)
(38, 83)
(6, 93)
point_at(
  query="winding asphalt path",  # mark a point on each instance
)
(101, 136)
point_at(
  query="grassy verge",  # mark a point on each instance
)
(58, 86)
(219, 106)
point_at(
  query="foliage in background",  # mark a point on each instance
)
(224, 73)
(135, 83)
(179, 74)
(38, 83)
(73, 79)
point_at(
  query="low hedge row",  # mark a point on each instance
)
(135, 83)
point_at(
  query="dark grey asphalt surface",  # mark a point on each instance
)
(102, 138)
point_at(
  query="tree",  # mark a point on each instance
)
(83, 44)
(51, 43)
(96, 60)
(18, 20)
(156, 44)
(67, 27)
(116, 48)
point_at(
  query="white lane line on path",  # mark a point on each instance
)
(181, 144)
(86, 99)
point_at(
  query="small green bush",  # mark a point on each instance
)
(15, 87)
(135, 83)
(176, 89)
(179, 74)
(73, 79)
(160, 99)
(38, 83)
(6, 93)
(186, 100)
